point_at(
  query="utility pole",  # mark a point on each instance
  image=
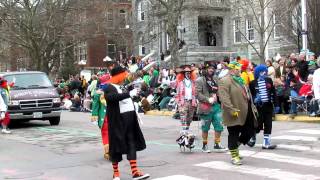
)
(304, 31)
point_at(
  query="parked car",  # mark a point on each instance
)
(33, 97)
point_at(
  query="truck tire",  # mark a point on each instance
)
(54, 121)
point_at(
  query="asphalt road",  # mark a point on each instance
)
(73, 151)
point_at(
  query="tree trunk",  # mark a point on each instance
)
(262, 33)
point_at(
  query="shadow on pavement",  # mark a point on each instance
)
(28, 124)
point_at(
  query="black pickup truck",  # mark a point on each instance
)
(33, 97)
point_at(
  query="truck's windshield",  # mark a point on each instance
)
(24, 81)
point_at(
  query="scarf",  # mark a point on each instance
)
(238, 79)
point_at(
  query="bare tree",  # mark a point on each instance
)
(170, 11)
(38, 27)
(313, 13)
(262, 13)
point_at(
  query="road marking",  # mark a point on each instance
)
(296, 138)
(306, 131)
(262, 172)
(281, 158)
(177, 177)
(294, 147)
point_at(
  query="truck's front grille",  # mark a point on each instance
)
(37, 103)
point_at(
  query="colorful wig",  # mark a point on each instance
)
(259, 69)
(193, 76)
(119, 78)
(245, 64)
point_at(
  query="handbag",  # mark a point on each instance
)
(204, 107)
(254, 110)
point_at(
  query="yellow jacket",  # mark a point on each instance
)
(247, 77)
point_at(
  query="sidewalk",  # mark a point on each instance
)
(279, 117)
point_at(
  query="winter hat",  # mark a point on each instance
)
(259, 69)
(234, 65)
(117, 70)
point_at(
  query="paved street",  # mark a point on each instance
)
(73, 151)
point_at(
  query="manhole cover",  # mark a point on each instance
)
(152, 163)
(25, 175)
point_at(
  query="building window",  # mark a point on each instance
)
(122, 19)
(237, 33)
(83, 16)
(110, 15)
(277, 29)
(81, 51)
(111, 49)
(250, 29)
(140, 12)
(142, 49)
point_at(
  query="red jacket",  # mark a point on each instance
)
(305, 90)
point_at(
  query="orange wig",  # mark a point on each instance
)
(119, 78)
(193, 76)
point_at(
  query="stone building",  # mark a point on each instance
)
(210, 30)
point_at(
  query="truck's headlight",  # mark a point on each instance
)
(14, 103)
(56, 100)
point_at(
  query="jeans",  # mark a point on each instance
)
(164, 102)
(294, 97)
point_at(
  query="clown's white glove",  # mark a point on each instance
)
(2, 115)
(211, 100)
(133, 93)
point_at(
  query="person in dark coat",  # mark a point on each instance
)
(125, 135)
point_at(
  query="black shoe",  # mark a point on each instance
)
(252, 142)
(269, 147)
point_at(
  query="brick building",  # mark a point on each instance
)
(107, 26)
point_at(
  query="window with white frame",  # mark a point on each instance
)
(142, 49)
(237, 33)
(277, 26)
(250, 29)
(141, 12)
(81, 51)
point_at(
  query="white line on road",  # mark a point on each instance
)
(294, 147)
(296, 138)
(306, 131)
(262, 172)
(177, 177)
(282, 158)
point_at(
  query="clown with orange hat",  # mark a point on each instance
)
(125, 135)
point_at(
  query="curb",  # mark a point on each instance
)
(278, 117)
(299, 118)
(160, 113)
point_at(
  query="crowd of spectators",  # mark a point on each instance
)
(295, 77)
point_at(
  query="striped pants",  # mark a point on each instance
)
(186, 114)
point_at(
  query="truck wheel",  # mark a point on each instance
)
(54, 121)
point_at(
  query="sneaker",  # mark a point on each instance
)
(6, 131)
(269, 147)
(140, 175)
(312, 114)
(205, 149)
(218, 148)
(252, 142)
(236, 161)
(116, 178)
